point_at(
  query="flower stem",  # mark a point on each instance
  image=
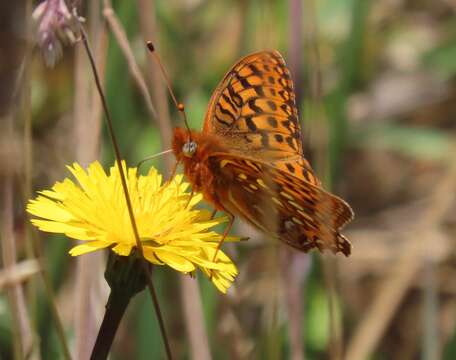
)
(126, 278)
(115, 308)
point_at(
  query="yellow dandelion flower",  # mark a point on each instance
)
(171, 230)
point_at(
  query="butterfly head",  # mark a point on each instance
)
(194, 146)
(184, 144)
(189, 148)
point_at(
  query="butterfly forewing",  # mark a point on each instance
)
(254, 109)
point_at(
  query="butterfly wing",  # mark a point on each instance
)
(265, 178)
(293, 210)
(253, 109)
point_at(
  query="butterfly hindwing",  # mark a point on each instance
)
(295, 211)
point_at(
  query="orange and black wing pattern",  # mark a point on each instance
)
(292, 210)
(254, 108)
(254, 111)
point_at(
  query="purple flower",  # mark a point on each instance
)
(55, 25)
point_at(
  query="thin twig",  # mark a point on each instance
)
(18, 273)
(296, 266)
(193, 310)
(13, 72)
(295, 42)
(430, 348)
(323, 166)
(335, 326)
(295, 280)
(6, 237)
(121, 37)
(50, 294)
(32, 238)
(148, 25)
(21, 323)
(125, 188)
(86, 134)
(26, 97)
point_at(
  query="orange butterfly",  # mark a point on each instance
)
(248, 160)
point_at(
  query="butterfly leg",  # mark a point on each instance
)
(189, 199)
(173, 171)
(225, 233)
(171, 176)
(213, 214)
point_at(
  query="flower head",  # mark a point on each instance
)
(171, 230)
(55, 24)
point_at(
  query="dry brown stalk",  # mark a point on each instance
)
(18, 273)
(87, 130)
(190, 295)
(395, 285)
(121, 37)
(20, 317)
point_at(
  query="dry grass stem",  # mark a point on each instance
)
(196, 329)
(121, 37)
(199, 342)
(149, 30)
(23, 335)
(87, 129)
(395, 285)
(329, 266)
(296, 270)
(295, 281)
(18, 273)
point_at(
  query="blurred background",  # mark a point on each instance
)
(376, 87)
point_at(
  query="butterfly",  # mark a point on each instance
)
(248, 159)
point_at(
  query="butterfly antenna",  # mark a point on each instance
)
(179, 105)
(153, 157)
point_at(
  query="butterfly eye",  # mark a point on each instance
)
(189, 148)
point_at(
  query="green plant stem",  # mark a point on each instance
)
(127, 197)
(125, 277)
(115, 309)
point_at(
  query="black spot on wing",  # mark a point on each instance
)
(228, 100)
(272, 121)
(255, 70)
(259, 90)
(226, 112)
(250, 124)
(221, 121)
(272, 105)
(291, 142)
(236, 97)
(254, 107)
(244, 82)
(290, 168)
